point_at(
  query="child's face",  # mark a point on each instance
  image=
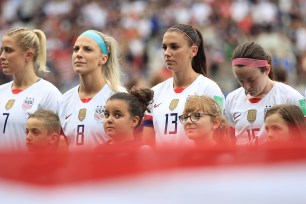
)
(37, 137)
(118, 121)
(204, 127)
(277, 128)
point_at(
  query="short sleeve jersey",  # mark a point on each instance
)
(248, 118)
(16, 108)
(168, 105)
(82, 122)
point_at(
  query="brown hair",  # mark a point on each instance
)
(138, 100)
(253, 51)
(50, 119)
(294, 117)
(194, 36)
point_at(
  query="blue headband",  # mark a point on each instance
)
(97, 38)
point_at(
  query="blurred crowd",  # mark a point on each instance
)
(278, 25)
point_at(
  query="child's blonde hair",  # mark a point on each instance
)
(211, 107)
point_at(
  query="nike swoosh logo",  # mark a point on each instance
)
(237, 116)
(156, 105)
(67, 116)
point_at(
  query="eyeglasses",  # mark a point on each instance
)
(194, 117)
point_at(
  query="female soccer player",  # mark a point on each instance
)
(185, 57)
(22, 51)
(246, 106)
(95, 59)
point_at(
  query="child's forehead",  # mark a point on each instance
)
(37, 122)
(116, 104)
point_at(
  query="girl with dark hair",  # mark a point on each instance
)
(123, 114)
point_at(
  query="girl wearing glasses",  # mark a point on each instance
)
(203, 121)
(185, 57)
(246, 106)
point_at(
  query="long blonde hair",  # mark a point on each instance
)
(111, 69)
(32, 39)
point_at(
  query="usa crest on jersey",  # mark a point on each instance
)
(252, 115)
(99, 113)
(173, 104)
(28, 103)
(82, 114)
(9, 104)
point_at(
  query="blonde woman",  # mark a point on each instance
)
(81, 109)
(22, 51)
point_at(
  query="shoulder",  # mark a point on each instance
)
(122, 89)
(69, 94)
(238, 93)
(6, 85)
(207, 84)
(47, 86)
(286, 90)
(163, 84)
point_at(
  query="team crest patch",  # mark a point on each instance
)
(82, 114)
(99, 113)
(252, 115)
(9, 104)
(173, 104)
(28, 103)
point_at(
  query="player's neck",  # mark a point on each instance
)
(265, 91)
(90, 86)
(24, 80)
(183, 80)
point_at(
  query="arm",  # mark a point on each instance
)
(148, 136)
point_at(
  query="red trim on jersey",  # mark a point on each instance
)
(148, 117)
(178, 90)
(85, 100)
(16, 91)
(254, 100)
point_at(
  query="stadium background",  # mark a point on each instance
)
(278, 25)
(255, 175)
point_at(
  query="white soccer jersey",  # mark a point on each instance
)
(248, 118)
(169, 105)
(82, 122)
(15, 110)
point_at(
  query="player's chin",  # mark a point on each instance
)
(6, 71)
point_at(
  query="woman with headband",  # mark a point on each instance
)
(245, 107)
(81, 109)
(23, 53)
(185, 57)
